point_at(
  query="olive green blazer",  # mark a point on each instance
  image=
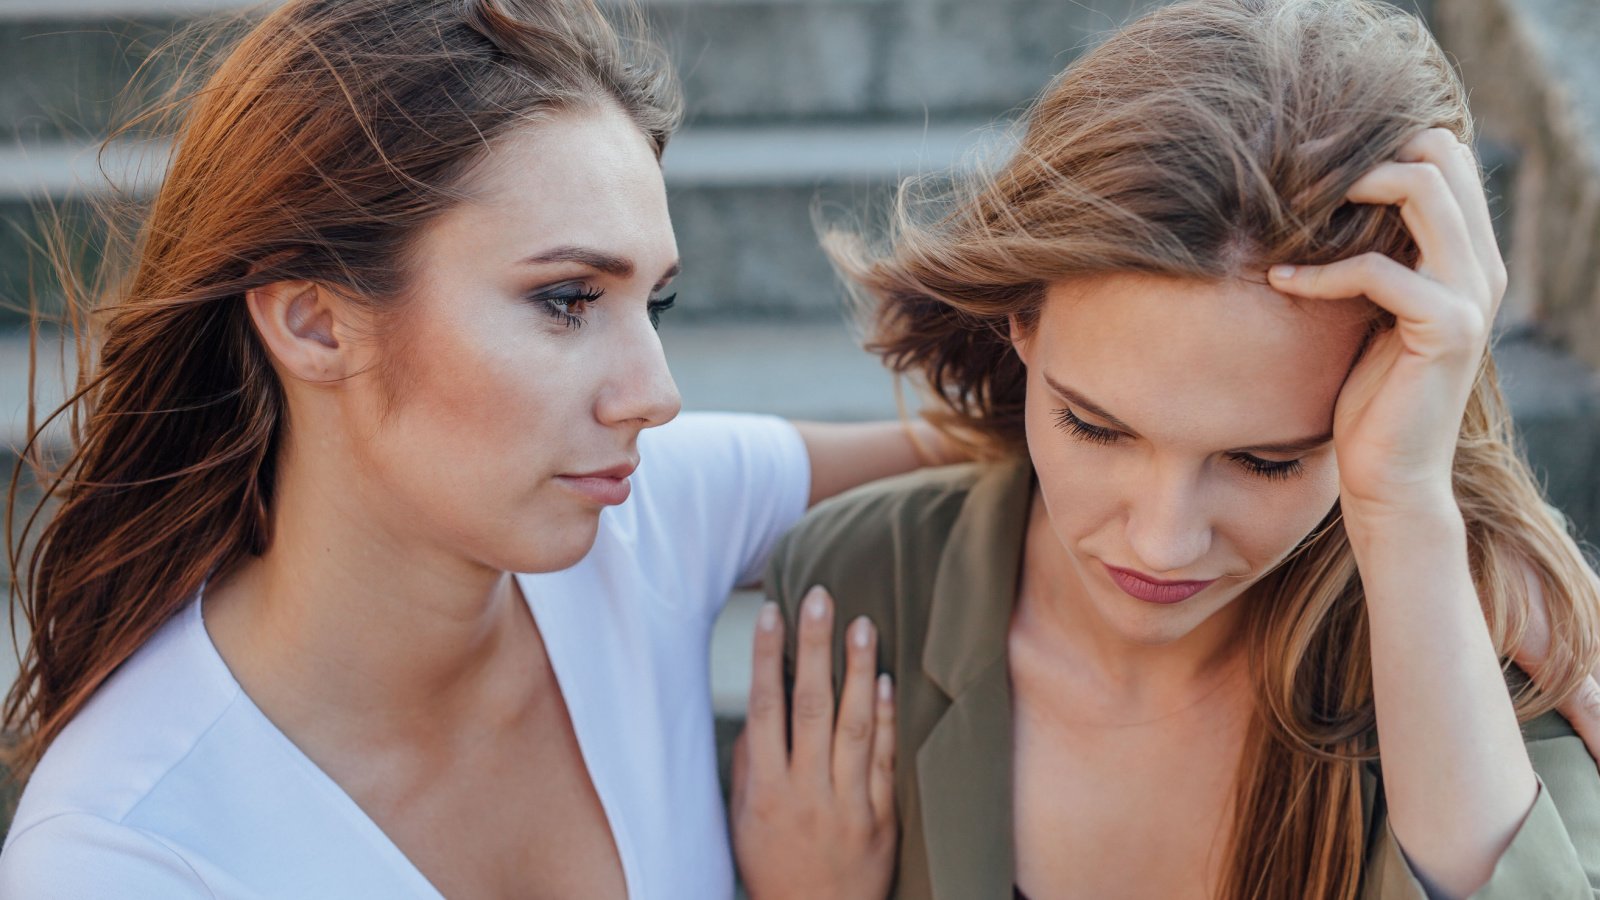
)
(933, 558)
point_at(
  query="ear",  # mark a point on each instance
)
(1021, 337)
(298, 321)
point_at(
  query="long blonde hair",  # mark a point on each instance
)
(1208, 140)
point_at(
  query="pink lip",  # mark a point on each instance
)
(607, 487)
(1154, 590)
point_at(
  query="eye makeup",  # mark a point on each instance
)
(657, 307)
(1272, 470)
(566, 302)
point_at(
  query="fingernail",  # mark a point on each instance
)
(861, 632)
(769, 616)
(885, 687)
(816, 604)
(1282, 273)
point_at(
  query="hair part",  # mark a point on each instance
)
(1207, 141)
(317, 148)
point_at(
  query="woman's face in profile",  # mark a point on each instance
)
(524, 357)
(1181, 432)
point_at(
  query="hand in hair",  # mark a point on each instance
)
(1456, 776)
(1399, 415)
(813, 813)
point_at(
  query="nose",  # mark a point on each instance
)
(1169, 528)
(641, 391)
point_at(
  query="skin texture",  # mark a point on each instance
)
(380, 631)
(815, 816)
(1444, 717)
(1149, 401)
(425, 458)
(1149, 701)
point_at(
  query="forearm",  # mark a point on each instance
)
(846, 455)
(1456, 775)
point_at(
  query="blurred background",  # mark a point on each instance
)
(797, 106)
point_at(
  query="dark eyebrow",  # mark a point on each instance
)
(1291, 448)
(600, 261)
(1085, 404)
(1284, 448)
(594, 259)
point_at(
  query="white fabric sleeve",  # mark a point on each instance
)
(78, 856)
(719, 490)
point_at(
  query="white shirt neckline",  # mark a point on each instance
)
(347, 804)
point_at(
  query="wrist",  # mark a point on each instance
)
(1398, 523)
(1400, 507)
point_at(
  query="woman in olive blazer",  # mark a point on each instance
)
(1232, 615)
(933, 560)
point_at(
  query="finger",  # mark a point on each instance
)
(1582, 709)
(813, 688)
(852, 735)
(764, 725)
(1534, 648)
(1440, 147)
(1434, 219)
(739, 772)
(1429, 310)
(880, 781)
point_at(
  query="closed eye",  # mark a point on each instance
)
(1094, 434)
(1270, 469)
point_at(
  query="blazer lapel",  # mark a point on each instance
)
(964, 766)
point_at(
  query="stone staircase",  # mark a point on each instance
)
(794, 105)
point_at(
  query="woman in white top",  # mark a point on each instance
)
(386, 339)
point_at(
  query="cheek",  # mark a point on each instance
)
(473, 402)
(1077, 479)
(1270, 523)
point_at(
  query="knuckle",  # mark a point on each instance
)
(1370, 265)
(763, 804)
(1438, 140)
(1466, 327)
(764, 704)
(1589, 700)
(1499, 278)
(884, 763)
(1430, 177)
(812, 705)
(856, 731)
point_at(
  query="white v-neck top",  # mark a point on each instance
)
(171, 784)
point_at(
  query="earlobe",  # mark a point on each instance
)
(1019, 338)
(296, 322)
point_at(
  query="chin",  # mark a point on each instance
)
(1153, 625)
(550, 546)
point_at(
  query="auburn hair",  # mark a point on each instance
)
(313, 143)
(1206, 141)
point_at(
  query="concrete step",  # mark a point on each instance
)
(742, 201)
(62, 64)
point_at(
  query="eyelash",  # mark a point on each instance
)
(1094, 434)
(560, 306)
(657, 307)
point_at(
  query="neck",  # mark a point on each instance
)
(349, 612)
(1135, 678)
